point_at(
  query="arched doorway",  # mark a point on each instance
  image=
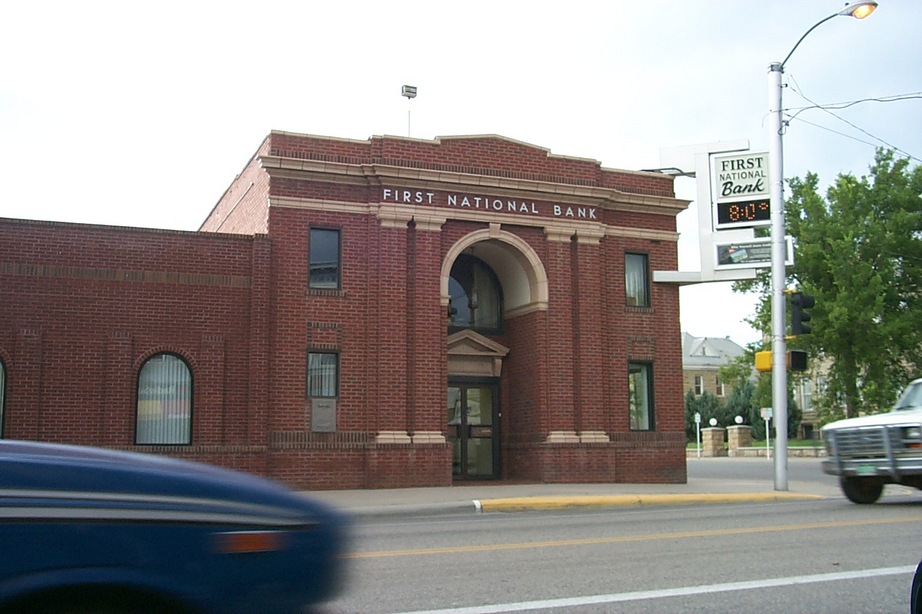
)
(488, 277)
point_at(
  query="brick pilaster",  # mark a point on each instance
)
(559, 414)
(588, 340)
(391, 398)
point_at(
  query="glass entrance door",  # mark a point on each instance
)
(473, 429)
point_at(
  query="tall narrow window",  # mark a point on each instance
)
(322, 374)
(636, 280)
(640, 396)
(719, 387)
(476, 296)
(699, 385)
(164, 401)
(324, 258)
(806, 392)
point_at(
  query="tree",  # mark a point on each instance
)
(709, 406)
(753, 392)
(859, 252)
(740, 402)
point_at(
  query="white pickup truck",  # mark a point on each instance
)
(872, 451)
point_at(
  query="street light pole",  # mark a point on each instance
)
(776, 199)
(859, 10)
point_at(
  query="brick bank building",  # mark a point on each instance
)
(365, 314)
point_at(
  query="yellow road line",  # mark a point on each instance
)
(550, 503)
(630, 538)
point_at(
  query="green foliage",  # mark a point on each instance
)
(750, 393)
(859, 252)
(707, 405)
(739, 403)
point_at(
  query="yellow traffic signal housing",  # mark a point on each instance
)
(764, 361)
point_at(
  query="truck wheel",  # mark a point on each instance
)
(861, 491)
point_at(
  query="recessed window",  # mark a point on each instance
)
(637, 280)
(324, 259)
(476, 296)
(640, 396)
(322, 374)
(699, 385)
(164, 413)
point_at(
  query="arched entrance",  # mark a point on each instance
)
(488, 278)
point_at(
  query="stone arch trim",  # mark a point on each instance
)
(523, 278)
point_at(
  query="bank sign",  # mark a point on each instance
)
(488, 205)
(740, 191)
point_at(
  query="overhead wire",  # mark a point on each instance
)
(827, 108)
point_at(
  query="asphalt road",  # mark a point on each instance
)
(805, 556)
(758, 469)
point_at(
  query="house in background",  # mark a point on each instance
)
(809, 385)
(702, 358)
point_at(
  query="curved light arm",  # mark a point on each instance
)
(858, 10)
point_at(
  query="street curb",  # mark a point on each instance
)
(555, 503)
(420, 509)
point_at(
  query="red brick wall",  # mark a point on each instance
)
(244, 207)
(489, 155)
(83, 306)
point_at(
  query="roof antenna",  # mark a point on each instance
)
(410, 92)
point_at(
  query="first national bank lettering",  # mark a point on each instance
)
(486, 203)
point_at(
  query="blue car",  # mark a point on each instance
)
(87, 530)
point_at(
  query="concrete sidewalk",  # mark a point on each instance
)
(490, 497)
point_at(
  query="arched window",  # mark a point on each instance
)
(164, 401)
(476, 296)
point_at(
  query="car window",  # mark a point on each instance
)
(911, 397)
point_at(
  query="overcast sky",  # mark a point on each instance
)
(132, 114)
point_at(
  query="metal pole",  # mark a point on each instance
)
(698, 433)
(779, 354)
(859, 10)
(768, 439)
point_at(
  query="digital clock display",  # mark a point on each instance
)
(744, 213)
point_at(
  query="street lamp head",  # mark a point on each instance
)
(858, 10)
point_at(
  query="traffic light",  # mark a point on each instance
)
(800, 303)
(797, 360)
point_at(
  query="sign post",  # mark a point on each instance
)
(767, 416)
(698, 432)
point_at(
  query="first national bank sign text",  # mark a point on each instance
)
(487, 203)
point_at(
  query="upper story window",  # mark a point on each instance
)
(699, 385)
(637, 280)
(476, 296)
(164, 413)
(324, 258)
(322, 374)
(720, 387)
(806, 393)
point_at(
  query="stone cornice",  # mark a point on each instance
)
(429, 179)
(429, 219)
